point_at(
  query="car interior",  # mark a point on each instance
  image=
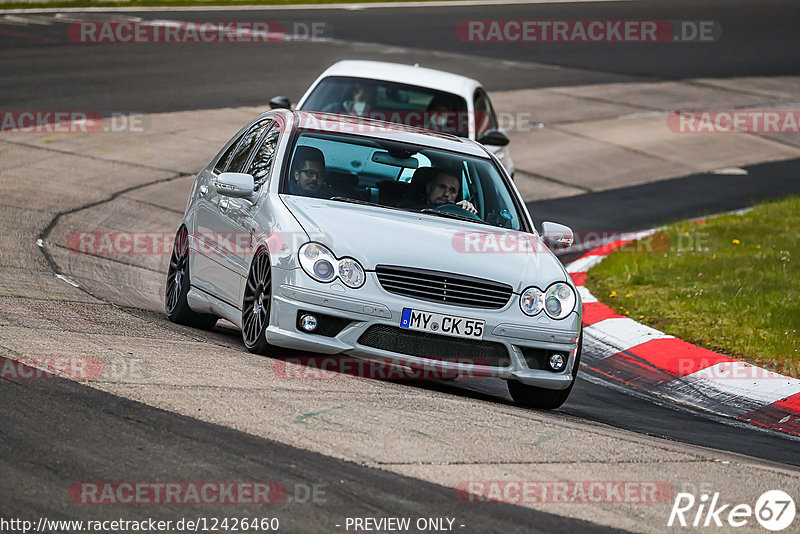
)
(395, 175)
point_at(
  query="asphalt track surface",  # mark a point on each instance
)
(44, 69)
(41, 417)
(92, 435)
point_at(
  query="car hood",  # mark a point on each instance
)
(382, 236)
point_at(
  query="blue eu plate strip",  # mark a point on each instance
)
(405, 317)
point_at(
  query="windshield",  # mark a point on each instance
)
(390, 101)
(400, 176)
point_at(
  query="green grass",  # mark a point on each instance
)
(177, 3)
(731, 284)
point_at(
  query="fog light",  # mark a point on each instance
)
(557, 361)
(308, 323)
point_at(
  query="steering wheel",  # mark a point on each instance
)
(452, 207)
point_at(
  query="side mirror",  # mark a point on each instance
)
(494, 138)
(280, 102)
(235, 184)
(557, 236)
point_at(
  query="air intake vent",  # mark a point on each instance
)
(448, 288)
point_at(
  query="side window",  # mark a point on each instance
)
(485, 119)
(219, 167)
(262, 163)
(239, 157)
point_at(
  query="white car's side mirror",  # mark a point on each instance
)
(235, 184)
(557, 235)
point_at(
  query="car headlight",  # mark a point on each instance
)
(321, 265)
(351, 272)
(531, 301)
(559, 300)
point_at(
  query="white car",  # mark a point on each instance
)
(411, 95)
(378, 243)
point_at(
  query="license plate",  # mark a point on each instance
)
(439, 323)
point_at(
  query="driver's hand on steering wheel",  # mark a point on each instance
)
(467, 205)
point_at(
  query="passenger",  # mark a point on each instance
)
(308, 176)
(361, 103)
(440, 116)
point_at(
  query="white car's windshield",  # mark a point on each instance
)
(400, 175)
(390, 101)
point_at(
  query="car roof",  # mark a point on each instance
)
(347, 124)
(409, 74)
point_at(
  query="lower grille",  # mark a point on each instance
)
(538, 358)
(327, 325)
(435, 347)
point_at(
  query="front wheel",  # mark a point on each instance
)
(257, 302)
(542, 398)
(175, 304)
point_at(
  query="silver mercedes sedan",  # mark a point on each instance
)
(381, 242)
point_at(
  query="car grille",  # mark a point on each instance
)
(538, 358)
(326, 325)
(435, 347)
(434, 286)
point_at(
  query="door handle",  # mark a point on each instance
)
(203, 190)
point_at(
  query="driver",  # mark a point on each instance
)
(446, 188)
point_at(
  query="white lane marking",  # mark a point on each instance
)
(732, 388)
(581, 265)
(95, 17)
(586, 296)
(306, 7)
(732, 171)
(28, 19)
(621, 333)
(67, 280)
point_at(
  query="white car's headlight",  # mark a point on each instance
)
(351, 272)
(531, 301)
(318, 262)
(321, 265)
(559, 300)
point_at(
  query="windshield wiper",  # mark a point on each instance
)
(454, 216)
(355, 201)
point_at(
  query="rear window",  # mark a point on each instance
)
(393, 102)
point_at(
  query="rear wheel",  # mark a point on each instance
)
(546, 399)
(175, 304)
(257, 302)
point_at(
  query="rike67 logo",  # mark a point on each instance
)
(774, 510)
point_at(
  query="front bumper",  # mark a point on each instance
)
(371, 305)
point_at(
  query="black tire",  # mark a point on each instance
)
(257, 304)
(542, 398)
(178, 282)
